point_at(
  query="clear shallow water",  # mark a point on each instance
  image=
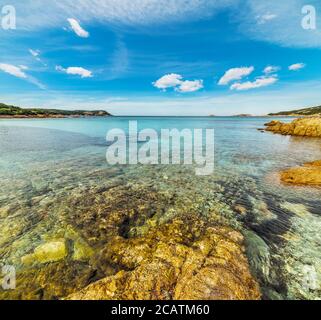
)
(48, 167)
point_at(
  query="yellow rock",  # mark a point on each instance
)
(171, 262)
(307, 126)
(309, 174)
(28, 259)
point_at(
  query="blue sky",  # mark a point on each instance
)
(165, 57)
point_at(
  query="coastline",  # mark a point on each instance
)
(59, 116)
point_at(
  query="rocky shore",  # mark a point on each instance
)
(309, 173)
(303, 127)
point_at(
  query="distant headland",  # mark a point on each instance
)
(301, 112)
(8, 111)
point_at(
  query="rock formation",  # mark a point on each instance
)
(308, 126)
(179, 260)
(308, 174)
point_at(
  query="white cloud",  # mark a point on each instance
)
(13, 70)
(84, 73)
(176, 81)
(271, 69)
(235, 74)
(296, 66)
(258, 83)
(190, 86)
(76, 27)
(168, 81)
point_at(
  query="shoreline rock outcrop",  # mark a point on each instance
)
(176, 261)
(303, 127)
(308, 174)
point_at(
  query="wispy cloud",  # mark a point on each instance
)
(77, 28)
(277, 22)
(120, 12)
(273, 21)
(34, 53)
(262, 19)
(235, 74)
(82, 72)
(297, 66)
(119, 62)
(13, 70)
(271, 69)
(19, 72)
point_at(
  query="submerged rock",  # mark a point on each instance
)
(50, 281)
(240, 210)
(82, 251)
(48, 252)
(308, 174)
(296, 208)
(183, 259)
(259, 256)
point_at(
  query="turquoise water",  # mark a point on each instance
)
(47, 163)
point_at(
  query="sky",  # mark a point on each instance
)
(161, 57)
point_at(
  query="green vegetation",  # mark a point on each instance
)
(301, 112)
(7, 111)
